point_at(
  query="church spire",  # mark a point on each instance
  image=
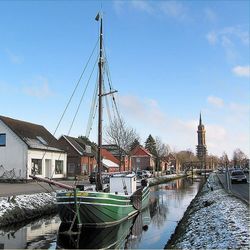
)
(200, 120)
(201, 147)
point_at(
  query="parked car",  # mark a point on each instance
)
(92, 177)
(140, 174)
(238, 176)
(147, 173)
(105, 178)
(246, 170)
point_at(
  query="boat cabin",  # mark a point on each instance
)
(122, 183)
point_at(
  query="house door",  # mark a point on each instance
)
(47, 168)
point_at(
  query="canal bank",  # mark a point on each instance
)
(16, 209)
(33, 203)
(213, 220)
(149, 230)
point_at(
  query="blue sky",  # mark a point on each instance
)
(169, 60)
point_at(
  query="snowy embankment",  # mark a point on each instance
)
(213, 220)
(164, 178)
(25, 207)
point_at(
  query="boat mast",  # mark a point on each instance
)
(100, 108)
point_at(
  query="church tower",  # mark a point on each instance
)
(201, 148)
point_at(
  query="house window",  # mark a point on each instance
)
(2, 140)
(59, 167)
(36, 166)
(84, 169)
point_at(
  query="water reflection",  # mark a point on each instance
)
(168, 203)
(116, 237)
(151, 229)
(37, 234)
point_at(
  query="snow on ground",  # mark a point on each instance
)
(216, 220)
(163, 178)
(18, 208)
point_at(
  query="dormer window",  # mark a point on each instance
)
(42, 140)
(88, 149)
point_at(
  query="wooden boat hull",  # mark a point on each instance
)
(114, 237)
(98, 209)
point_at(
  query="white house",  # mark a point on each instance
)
(27, 148)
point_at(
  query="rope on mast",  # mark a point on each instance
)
(77, 110)
(82, 97)
(73, 93)
(92, 110)
(114, 104)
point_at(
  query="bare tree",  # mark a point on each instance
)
(162, 150)
(213, 161)
(121, 135)
(238, 157)
(186, 158)
(224, 159)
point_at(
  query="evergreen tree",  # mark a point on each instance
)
(134, 144)
(150, 145)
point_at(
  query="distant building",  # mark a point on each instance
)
(29, 149)
(141, 159)
(121, 155)
(201, 148)
(109, 162)
(80, 156)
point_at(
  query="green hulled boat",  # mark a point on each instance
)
(98, 209)
(115, 237)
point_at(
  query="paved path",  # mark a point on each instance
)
(10, 189)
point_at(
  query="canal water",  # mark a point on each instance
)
(151, 229)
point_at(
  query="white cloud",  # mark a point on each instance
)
(38, 88)
(210, 15)
(239, 108)
(226, 41)
(217, 133)
(146, 116)
(229, 39)
(229, 34)
(242, 70)
(174, 9)
(7, 88)
(238, 32)
(15, 59)
(215, 101)
(212, 37)
(142, 6)
(118, 6)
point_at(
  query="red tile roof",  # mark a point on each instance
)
(139, 150)
(107, 155)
